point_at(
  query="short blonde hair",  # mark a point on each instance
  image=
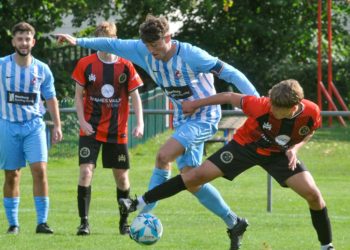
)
(286, 94)
(106, 29)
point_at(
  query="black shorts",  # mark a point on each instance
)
(233, 159)
(113, 155)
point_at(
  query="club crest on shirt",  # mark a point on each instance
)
(35, 79)
(177, 74)
(267, 126)
(107, 90)
(226, 157)
(122, 78)
(92, 77)
(84, 152)
(304, 130)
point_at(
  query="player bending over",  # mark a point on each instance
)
(276, 128)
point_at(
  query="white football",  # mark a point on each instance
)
(146, 229)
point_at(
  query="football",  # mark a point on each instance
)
(146, 229)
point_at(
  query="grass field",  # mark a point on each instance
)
(187, 225)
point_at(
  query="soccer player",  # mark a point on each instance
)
(104, 83)
(23, 79)
(276, 128)
(184, 72)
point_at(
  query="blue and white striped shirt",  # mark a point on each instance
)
(21, 87)
(188, 75)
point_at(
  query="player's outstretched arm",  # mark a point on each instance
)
(189, 107)
(62, 38)
(233, 76)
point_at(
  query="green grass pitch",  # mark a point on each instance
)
(187, 225)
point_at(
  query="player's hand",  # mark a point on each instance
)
(56, 134)
(188, 107)
(62, 38)
(292, 157)
(86, 128)
(138, 131)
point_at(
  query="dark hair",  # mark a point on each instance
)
(286, 94)
(153, 28)
(22, 27)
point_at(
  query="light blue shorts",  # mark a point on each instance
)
(192, 136)
(21, 142)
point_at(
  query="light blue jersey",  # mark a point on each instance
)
(21, 87)
(188, 75)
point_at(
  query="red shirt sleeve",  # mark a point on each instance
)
(135, 80)
(78, 73)
(254, 106)
(315, 113)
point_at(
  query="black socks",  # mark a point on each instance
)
(321, 223)
(84, 198)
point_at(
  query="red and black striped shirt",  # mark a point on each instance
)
(106, 96)
(269, 134)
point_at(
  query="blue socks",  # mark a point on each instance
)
(158, 177)
(11, 205)
(42, 208)
(209, 197)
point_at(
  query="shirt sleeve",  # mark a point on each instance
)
(135, 79)
(202, 61)
(78, 73)
(47, 87)
(133, 50)
(199, 60)
(235, 77)
(252, 106)
(318, 120)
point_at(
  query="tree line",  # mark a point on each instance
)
(268, 40)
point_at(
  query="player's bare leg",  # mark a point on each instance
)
(170, 150)
(304, 185)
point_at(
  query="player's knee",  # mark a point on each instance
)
(315, 199)
(11, 176)
(192, 180)
(122, 180)
(193, 189)
(85, 175)
(39, 176)
(162, 159)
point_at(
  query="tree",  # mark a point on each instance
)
(46, 15)
(268, 40)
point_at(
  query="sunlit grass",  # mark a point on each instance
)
(187, 225)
